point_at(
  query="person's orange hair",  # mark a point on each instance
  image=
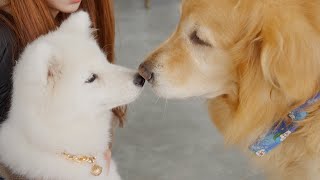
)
(33, 18)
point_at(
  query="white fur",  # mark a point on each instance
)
(54, 110)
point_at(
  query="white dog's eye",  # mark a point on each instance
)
(92, 78)
(197, 40)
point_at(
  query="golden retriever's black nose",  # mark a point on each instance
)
(138, 80)
(145, 72)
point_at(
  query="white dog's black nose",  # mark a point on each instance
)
(138, 80)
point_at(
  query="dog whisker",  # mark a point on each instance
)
(157, 100)
(165, 109)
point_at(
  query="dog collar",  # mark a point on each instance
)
(282, 129)
(96, 170)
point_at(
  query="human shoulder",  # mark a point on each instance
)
(7, 50)
(7, 36)
(7, 41)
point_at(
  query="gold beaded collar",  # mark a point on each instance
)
(96, 169)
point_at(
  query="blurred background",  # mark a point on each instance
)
(166, 139)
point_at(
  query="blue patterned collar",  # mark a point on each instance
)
(282, 129)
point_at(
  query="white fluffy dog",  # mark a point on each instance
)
(63, 93)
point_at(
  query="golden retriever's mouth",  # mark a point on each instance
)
(170, 88)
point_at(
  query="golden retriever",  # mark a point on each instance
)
(255, 61)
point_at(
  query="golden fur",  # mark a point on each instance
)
(255, 60)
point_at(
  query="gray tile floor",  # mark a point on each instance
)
(166, 140)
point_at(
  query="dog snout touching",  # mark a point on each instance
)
(145, 72)
(138, 80)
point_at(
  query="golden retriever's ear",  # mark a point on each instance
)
(290, 58)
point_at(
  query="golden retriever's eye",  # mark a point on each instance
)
(92, 78)
(197, 40)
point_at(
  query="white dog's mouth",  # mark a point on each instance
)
(129, 86)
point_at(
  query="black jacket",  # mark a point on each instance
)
(7, 42)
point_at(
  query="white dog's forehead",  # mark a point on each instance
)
(77, 50)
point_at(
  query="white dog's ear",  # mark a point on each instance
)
(54, 71)
(78, 22)
(46, 63)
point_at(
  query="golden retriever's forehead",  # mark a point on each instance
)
(215, 15)
(208, 10)
(226, 19)
(190, 5)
